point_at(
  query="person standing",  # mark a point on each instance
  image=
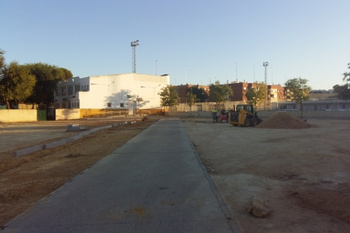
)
(214, 114)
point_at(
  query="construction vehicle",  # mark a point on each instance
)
(244, 115)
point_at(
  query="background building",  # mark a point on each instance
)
(117, 91)
(182, 90)
(239, 90)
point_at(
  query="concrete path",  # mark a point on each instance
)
(154, 183)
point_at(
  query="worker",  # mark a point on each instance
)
(214, 114)
(226, 113)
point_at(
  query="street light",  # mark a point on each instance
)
(266, 64)
(133, 45)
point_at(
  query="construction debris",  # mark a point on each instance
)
(283, 120)
(258, 208)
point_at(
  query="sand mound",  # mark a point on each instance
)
(283, 120)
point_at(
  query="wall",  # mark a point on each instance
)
(204, 106)
(67, 114)
(18, 115)
(72, 114)
(329, 112)
(103, 112)
(266, 114)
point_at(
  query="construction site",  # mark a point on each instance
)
(297, 168)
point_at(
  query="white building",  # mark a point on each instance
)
(116, 91)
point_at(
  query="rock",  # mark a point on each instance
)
(76, 127)
(258, 208)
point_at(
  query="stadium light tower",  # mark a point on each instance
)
(133, 45)
(265, 64)
(267, 91)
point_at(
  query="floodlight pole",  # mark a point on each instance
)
(133, 45)
(266, 64)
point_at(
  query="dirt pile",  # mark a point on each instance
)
(283, 120)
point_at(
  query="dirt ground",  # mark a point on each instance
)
(302, 174)
(25, 180)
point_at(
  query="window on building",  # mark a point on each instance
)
(77, 88)
(70, 90)
(109, 105)
(85, 88)
(122, 105)
(63, 91)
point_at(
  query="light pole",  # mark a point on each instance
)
(266, 64)
(133, 45)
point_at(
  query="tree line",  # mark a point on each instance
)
(35, 83)
(220, 93)
(298, 91)
(29, 83)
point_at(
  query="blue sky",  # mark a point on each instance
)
(195, 41)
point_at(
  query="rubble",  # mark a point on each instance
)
(283, 120)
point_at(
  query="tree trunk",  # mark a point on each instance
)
(7, 103)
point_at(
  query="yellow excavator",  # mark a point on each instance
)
(244, 115)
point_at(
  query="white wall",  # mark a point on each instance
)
(114, 89)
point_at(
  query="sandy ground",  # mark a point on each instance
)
(302, 174)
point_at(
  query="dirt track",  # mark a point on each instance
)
(301, 173)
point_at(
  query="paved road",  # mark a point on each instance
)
(154, 183)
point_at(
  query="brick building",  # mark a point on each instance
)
(276, 93)
(182, 90)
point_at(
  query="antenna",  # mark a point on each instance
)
(133, 45)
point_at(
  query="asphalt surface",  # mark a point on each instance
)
(154, 183)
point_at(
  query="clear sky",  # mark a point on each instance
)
(195, 41)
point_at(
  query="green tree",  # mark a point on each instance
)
(343, 92)
(169, 96)
(219, 93)
(201, 94)
(256, 94)
(16, 83)
(347, 74)
(47, 77)
(298, 91)
(2, 60)
(191, 99)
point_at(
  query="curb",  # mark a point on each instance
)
(63, 141)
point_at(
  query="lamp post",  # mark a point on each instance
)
(133, 45)
(265, 64)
